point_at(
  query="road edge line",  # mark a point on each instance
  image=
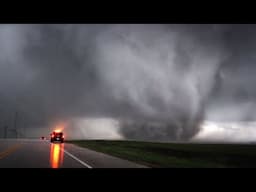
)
(74, 157)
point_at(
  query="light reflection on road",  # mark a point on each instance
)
(56, 155)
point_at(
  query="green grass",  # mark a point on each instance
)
(176, 155)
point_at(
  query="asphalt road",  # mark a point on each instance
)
(28, 153)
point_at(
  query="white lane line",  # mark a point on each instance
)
(74, 157)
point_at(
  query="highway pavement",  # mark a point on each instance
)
(36, 153)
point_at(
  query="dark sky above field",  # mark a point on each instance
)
(158, 81)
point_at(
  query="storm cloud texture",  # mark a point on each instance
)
(159, 82)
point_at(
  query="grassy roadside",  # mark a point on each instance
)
(176, 155)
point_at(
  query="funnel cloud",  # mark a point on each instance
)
(152, 81)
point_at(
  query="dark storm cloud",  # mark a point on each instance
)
(155, 79)
(234, 95)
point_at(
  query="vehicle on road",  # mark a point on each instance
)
(43, 138)
(57, 136)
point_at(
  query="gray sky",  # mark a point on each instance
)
(159, 82)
